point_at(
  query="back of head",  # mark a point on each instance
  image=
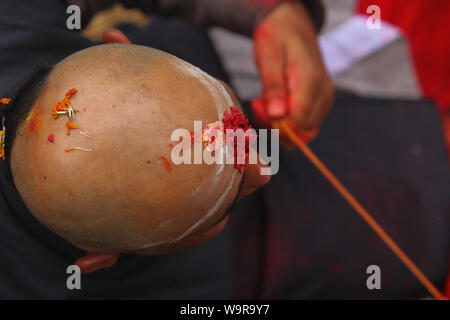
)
(122, 195)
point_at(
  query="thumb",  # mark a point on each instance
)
(114, 36)
(269, 57)
(92, 261)
(253, 179)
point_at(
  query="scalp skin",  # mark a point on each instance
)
(119, 197)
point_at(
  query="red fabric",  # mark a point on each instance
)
(427, 25)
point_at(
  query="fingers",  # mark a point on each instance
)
(269, 57)
(295, 82)
(310, 89)
(301, 87)
(114, 36)
(260, 114)
(322, 103)
(253, 180)
(95, 261)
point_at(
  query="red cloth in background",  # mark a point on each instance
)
(427, 25)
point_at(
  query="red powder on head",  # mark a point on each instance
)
(167, 164)
(33, 125)
(51, 138)
(34, 121)
(234, 121)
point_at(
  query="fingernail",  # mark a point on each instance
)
(276, 108)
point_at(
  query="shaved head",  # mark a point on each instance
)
(124, 195)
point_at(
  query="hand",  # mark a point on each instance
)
(295, 82)
(115, 36)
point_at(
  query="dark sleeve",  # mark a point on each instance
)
(240, 16)
(33, 34)
(316, 11)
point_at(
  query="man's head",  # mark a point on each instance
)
(121, 196)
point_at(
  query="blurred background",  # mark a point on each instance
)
(408, 58)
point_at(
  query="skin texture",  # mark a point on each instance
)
(119, 198)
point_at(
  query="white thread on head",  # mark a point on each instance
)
(85, 133)
(222, 101)
(210, 212)
(215, 88)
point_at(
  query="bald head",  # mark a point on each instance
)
(124, 195)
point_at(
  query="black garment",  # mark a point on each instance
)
(33, 260)
(35, 32)
(298, 238)
(235, 15)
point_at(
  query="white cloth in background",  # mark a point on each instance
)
(373, 63)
